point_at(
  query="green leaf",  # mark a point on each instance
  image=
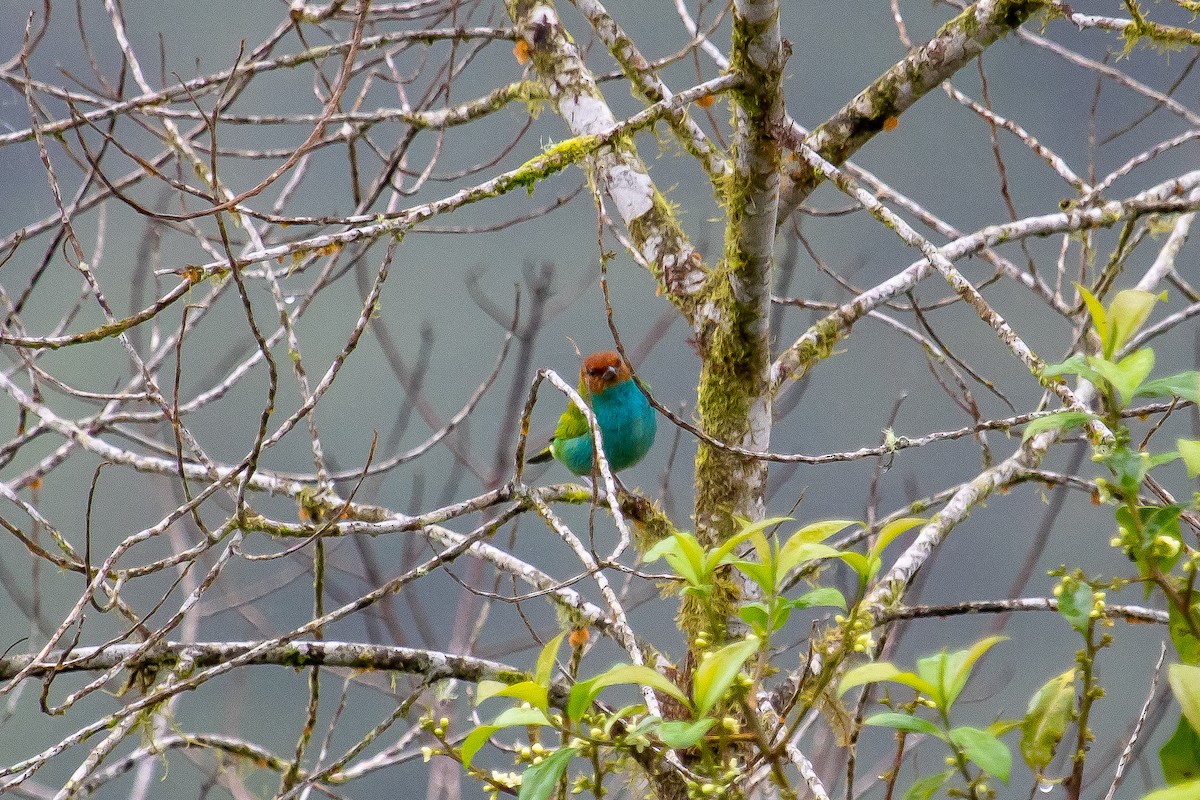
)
(485, 690)
(883, 671)
(1058, 421)
(783, 612)
(580, 698)
(820, 531)
(761, 574)
(1180, 755)
(681, 735)
(927, 787)
(1186, 644)
(647, 724)
(749, 527)
(985, 750)
(545, 663)
(863, 674)
(719, 555)
(860, 564)
(525, 717)
(618, 717)
(1128, 465)
(1127, 375)
(1189, 451)
(1161, 525)
(824, 596)
(1050, 711)
(1098, 314)
(474, 740)
(689, 561)
(904, 722)
(1126, 314)
(889, 532)
(1075, 365)
(584, 692)
(718, 671)
(1183, 791)
(685, 555)
(1185, 385)
(958, 678)
(512, 718)
(1162, 458)
(1185, 683)
(526, 691)
(756, 616)
(805, 544)
(1163, 521)
(1075, 606)
(539, 781)
(949, 671)
(795, 553)
(660, 549)
(766, 617)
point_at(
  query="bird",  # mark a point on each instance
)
(627, 422)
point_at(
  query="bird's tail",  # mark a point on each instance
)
(541, 457)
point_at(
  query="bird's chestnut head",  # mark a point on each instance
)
(603, 370)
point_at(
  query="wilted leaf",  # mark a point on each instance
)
(1050, 711)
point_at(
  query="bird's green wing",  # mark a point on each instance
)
(572, 423)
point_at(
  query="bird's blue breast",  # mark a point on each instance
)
(627, 426)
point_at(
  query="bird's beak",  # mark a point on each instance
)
(610, 374)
